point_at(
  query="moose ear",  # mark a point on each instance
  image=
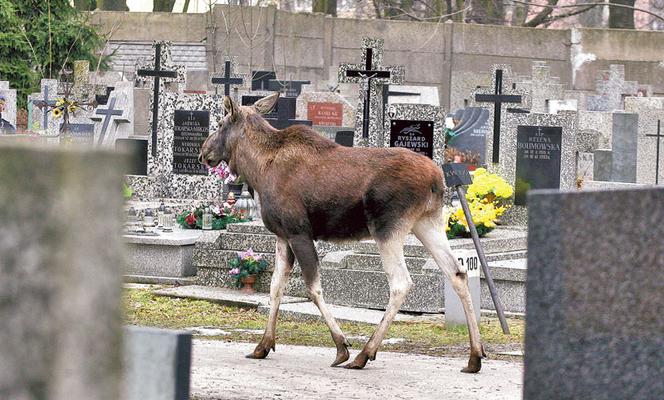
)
(231, 107)
(266, 104)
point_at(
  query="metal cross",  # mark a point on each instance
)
(226, 80)
(498, 98)
(367, 74)
(157, 73)
(658, 136)
(108, 113)
(284, 118)
(44, 104)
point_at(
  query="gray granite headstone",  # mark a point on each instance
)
(8, 111)
(611, 88)
(541, 88)
(624, 145)
(114, 118)
(157, 364)
(61, 273)
(602, 164)
(594, 325)
(650, 110)
(41, 103)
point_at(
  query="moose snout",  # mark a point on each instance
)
(201, 160)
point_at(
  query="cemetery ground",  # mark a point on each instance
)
(425, 334)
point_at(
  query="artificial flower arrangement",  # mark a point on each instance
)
(221, 216)
(488, 198)
(64, 107)
(246, 264)
(224, 173)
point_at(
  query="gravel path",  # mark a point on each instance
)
(220, 371)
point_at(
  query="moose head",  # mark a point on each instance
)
(221, 145)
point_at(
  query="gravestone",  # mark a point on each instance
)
(502, 94)
(158, 70)
(137, 151)
(102, 99)
(113, 119)
(611, 88)
(190, 129)
(283, 114)
(372, 76)
(260, 80)
(650, 111)
(325, 109)
(538, 157)
(624, 144)
(541, 89)
(82, 90)
(406, 94)
(463, 83)
(41, 103)
(418, 127)
(7, 109)
(61, 273)
(80, 133)
(585, 166)
(594, 328)
(344, 138)
(229, 77)
(537, 151)
(470, 136)
(454, 312)
(157, 364)
(173, 168)
(288, 88)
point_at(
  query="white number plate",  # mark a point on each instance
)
(469, 261)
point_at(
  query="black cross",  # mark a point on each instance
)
(157, 73)
(368, 74)
(226, 80)
(43, 104)
(285, 117)
(498, 98)
(293, 88)
(107, 113)
(658, 136)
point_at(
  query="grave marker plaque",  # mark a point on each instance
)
(537, 159)
(190, 129)
(325, 114)
(81, 133)
(413, 135)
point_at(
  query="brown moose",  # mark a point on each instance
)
(313, 189)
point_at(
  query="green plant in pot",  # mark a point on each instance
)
(244, 268)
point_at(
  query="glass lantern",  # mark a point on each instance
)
(148, 220)
(207, 219)
(246, 204)
(168, 220)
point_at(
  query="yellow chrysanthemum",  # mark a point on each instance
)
(59, 102)
(57, 112)
(72, 108)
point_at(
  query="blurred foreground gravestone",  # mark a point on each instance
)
(60, 275)
(594, 323)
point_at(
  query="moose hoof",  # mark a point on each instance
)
(474, 365)
(359, 362)
(262, 349)
(342, 353)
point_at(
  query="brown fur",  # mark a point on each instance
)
(313, 189)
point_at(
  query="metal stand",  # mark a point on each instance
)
(485, 266)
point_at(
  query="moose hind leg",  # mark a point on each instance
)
(305, 251)
(391, 254)
(283, 264)
(431, 232)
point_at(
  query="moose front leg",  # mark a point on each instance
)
(284, 259)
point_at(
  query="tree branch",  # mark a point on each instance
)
(542, 15)
(593, 4)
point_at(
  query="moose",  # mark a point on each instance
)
(314, 189)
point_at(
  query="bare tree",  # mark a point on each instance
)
(325, 6)
(163, 5)
(487, 12)
(112, 5)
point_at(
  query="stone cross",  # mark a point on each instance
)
(229, 76)
(497, 98)
(157, 73)
(658, 136)
(108, 114)
(293, 88)
(46, 101)
(611, 87)
(372, 75)
(82, 90)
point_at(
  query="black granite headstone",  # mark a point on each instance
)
(345, 138)
(470, 133)
(260, 80)
(137, 149)
(537, 159)
(414, 135)
(190, 129)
